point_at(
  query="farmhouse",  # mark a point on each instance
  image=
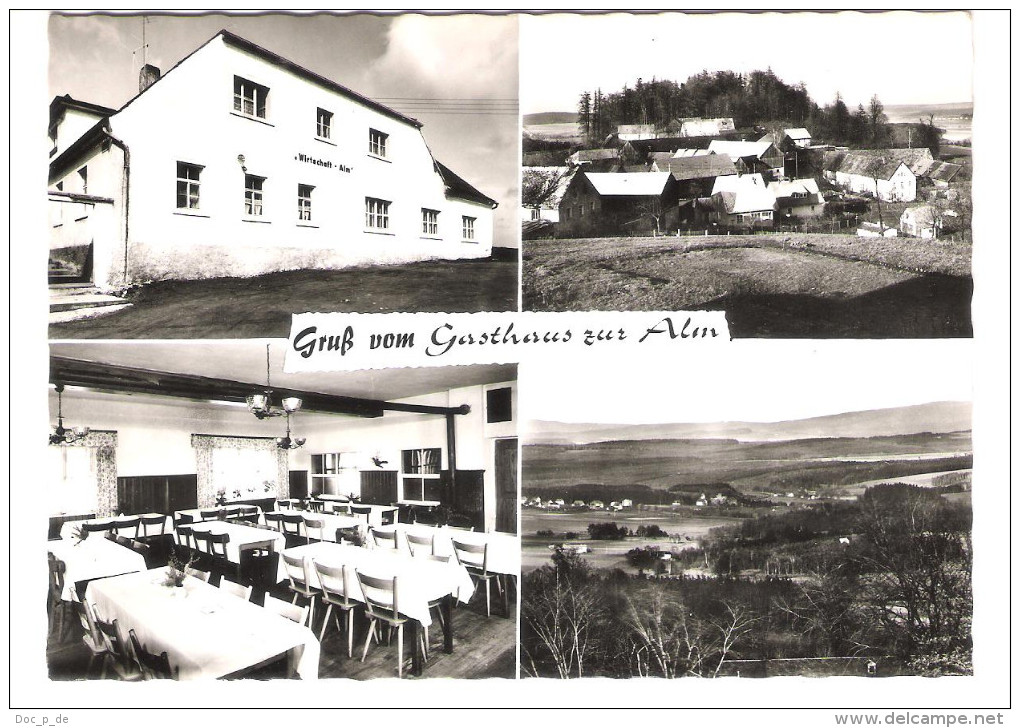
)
(886, 177)
(797, 199)
(607, 203)
(799, 137)
(627, 132)
(549, 208)
(695, 127)
(269, 167)
(696, 175)
(738, 201)
(752, 157)
(923, 221)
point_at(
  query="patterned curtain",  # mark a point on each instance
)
(204, 446)
(104, 445)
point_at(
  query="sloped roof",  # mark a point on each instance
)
(744, 193)
(60, 103)
(660, 156)
(662, 144)
(625, 184)
(690, 153)
(943, 171)
(832, 159)
(590, 155)
(739, 149)
(806, 190)
(798, 133)
(869, 165)
(635, 129)
(686, 168)
(300, 71)
(917, 160)
(459, 188)
(921, 215)
(693, 126)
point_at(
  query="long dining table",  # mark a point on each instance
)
(331, 522)
(95, 557)
(205, 631)
(420, 580)
(244, 538)
(503, 550)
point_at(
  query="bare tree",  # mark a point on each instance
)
(562, 614)
(539, 186)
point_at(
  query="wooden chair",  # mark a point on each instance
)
(382, 604)
(314, 527)
(56, 605)
(290, 524)
(216, 548)
(336, 593)
(384, 539)
(88, 529)
(291, 503)
(357, 510)
(247, 510)
(299, 582)
(157, 522)
(420, 545)
(292, 612)
(342, 507)
(474, 558)
(213, 514)
(436, 604)
(153, 667)
(273, 520)
(238, 590)
(91, 637)
(186, 540)
(314, 505)
(232, 512)
(119, 653)
(128, 526)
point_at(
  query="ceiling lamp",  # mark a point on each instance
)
(287, 443)
(260, 403)
(61, 435)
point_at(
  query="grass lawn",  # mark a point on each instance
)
(262, 306)
(793, 285)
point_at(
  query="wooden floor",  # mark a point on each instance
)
(484, 647)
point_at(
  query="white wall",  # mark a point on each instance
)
(188, 116)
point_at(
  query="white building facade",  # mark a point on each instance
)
(238, 162)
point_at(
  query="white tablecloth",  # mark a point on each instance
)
(206, 632)
(241, 537)
(94, 558)
(420, 580)
(331, 522)
(68, 527)
(504, 554)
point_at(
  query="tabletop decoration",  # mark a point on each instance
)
(176, 571)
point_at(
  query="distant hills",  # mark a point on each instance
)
(550, 117)
(935, 417)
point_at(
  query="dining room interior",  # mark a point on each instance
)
(213, 516)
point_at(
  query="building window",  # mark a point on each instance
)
(377, 143)
(323, 123)
(304, 202)
(250, 98)
(536, 214)
(420, 471)
(253, 194)
(429, 222)
(83, 176)
(377, 214)
(499, 405)
(468, 227)
(188, 185)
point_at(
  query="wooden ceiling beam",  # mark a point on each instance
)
(116, 378)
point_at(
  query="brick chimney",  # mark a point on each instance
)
(147, 76)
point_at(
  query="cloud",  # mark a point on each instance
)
(470, 56)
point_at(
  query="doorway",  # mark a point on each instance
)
(506, 485)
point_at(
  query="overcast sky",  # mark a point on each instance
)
(750, 381)
(96, 58)
(904, 57)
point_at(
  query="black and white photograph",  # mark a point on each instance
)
(804, 531)
(768, 165)
(214, 517)
(206, 168)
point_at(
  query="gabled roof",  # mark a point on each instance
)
(690, 153)
(943, 171)
(590, 155)
(832, 159)
(662, 144)
(702, 167)
(744, 193)
(625, 184)
(798, 133)
(694, 126)
(917, 160)
(457, 187)
(806, 191)
(61, 103)
(266, 55)
(740, 149)
(870, 165)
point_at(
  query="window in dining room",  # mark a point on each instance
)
(420, 469)
(72, 482)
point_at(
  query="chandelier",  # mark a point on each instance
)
(288, 443)
(260, 404)
(61, 435)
